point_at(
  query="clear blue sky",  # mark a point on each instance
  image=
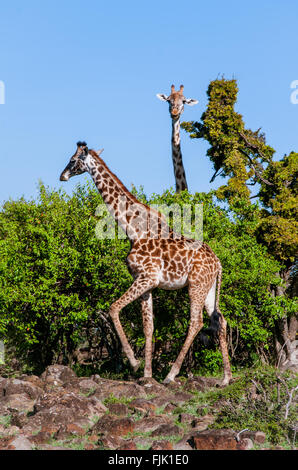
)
(90, 69)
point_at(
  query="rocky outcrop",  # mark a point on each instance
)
(59, 410)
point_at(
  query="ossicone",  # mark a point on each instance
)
(81, 144)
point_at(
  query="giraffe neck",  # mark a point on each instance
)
(179, 172)
(136, 219)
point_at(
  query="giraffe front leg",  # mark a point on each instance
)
(140, 286)
(147, 313)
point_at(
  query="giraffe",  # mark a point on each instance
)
(158, 257)
(176, 102)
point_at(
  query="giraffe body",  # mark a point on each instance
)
(176, 102)
(158, 258)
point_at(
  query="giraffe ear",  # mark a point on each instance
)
(99, 152)
(190, 101)
(162, 97)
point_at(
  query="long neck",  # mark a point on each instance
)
(179, 172)
(135, 218)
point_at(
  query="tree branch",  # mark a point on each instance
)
(215, 175)
(257, 172)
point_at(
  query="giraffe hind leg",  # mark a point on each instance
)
(197, 296)
(217, 329)
(147, 314)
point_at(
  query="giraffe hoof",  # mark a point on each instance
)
(168, 380)
(226, 381)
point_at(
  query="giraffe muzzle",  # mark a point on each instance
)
(64, 176)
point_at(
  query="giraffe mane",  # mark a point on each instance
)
(124, 189)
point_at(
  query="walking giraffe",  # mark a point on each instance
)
(176, 102)
(158, 258)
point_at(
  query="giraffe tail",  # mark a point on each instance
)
(215, 319)
(218, 286)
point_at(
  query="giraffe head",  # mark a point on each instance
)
(78, 162)
(176, 101)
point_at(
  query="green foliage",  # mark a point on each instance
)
(260, 401)
(244, 158)
(58, 280)
(278, 227)
(54, 274)
(235, 151)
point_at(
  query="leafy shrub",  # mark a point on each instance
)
(58, 280)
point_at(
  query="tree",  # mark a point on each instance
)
(244, 158)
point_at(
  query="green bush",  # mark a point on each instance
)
(58, 280)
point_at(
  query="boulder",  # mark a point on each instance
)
(20, 442)
(245, 444)
(161, 445)
(214, 439)
(58, 374)
(142, 405)
(118, 409)
(128, 445)
(118, 389)
(151, 423)
(168, 429)
(17, 386)
(114, 426)
(16, 402)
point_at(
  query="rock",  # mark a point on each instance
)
(163, 400)
(142, 405)
(16, 386)
(109, 442)
(183, 444)
(118, 389)
(16, 402)
(3, 383)
(214, 439)
(185, 418)
(51, 447)
(128, 445)
(181, 397)
(202, 423)
(41, 437)
(74, 429)
(118, 409)
(89, 446)
(4, 442)
(151, 423)
(34, 380)
(87, 385)
(77, 405)
(152, 387)
(58, 375)
(20, 443)
(114, 426)
(245, 444)
(170, 408)
(259, 437)
(161, 445)
(200, 384)
(167, 430)
(12, 430)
